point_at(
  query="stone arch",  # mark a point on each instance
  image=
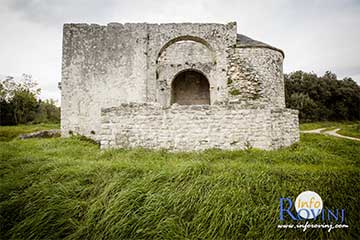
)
(190, 87)
(187, 38)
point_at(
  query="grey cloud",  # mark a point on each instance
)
(59, 11)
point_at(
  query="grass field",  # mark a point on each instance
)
(8, 133)
(68, 188)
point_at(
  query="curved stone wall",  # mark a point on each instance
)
(255, 76)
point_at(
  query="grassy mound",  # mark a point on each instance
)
(68, 188)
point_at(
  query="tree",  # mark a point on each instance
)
(47, 111)
(322, 98)
(19, 104)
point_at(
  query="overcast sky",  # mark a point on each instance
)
(316, 35)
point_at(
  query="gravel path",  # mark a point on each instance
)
(330, 133)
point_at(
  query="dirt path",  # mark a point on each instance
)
(330, 133)
(318, 131)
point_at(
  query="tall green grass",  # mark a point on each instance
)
(68, 188)
(352, 130)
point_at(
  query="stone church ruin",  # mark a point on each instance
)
(178, 86)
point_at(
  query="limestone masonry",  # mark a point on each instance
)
(179, 86)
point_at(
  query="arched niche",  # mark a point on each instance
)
(190, 87)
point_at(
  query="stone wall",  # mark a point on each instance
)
(255, 76)
(197, 127)
(102, 66)
(105, 66)
(284, 127)
(201, 47)
(241, 79)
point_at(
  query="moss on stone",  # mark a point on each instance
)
(234, 92)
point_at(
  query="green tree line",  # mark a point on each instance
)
(19, 103)
(322, 98)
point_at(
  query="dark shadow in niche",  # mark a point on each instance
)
(190, 87)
